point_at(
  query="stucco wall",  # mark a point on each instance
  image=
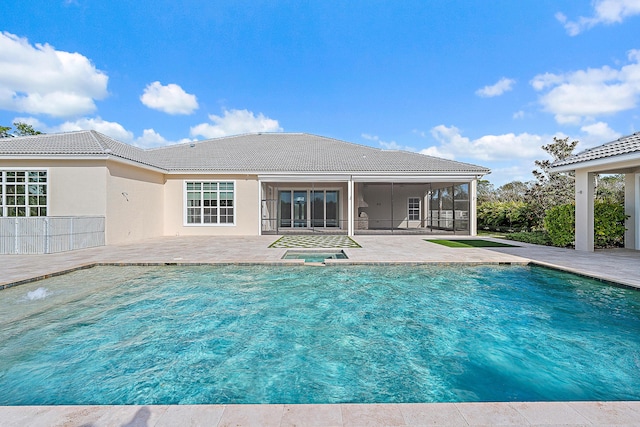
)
(135, 199)
(74, 188)
(247, 207)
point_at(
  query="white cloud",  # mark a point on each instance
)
(113, 129)
(605, 12)
(586, 94)
(171, 99)
(234, 122)
(510, 156)
(488, 147)
(518, 115)
(597, 134)
(503, 85)
(37, 79)
(435, 152)
(151, 139)
(501, 175)
(392, 145)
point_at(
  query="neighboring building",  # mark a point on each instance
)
(617, 157)
(270, 183)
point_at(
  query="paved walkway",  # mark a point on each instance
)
(620, 266)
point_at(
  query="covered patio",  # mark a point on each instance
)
(368, 204)
(618, 157)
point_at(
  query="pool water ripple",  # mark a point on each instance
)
(265, 334)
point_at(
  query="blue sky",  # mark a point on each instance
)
(475, 81)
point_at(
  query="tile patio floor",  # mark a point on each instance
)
(621, 266)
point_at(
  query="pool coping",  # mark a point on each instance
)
(326, 263)
(573, 413)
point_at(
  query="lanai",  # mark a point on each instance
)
(621, 156)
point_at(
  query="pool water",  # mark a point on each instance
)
(268, 334)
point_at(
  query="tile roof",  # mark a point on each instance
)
(298, 152)
(255, 153)
(624, 145)
(80, 143)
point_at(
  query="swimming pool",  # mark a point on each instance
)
(268, 334)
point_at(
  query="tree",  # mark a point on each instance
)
(485, 192)
(610, 188)
(551, 188)
(22, 129)
(4, 131)
(514, 191)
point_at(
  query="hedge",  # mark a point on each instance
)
(608, 224)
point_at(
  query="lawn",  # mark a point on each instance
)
(470, 243)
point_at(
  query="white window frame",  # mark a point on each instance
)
(3, 193)
(411, 209)
(185, 208)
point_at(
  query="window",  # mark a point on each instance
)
(414, 209)
(23, 193)
(209, 203)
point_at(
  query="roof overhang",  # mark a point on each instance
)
(98, 158)
(371, 177)
(623, 161)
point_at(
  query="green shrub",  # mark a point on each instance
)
(560, 223)
(608, 224)
(504, 216)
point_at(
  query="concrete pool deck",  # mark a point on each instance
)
(622, 266)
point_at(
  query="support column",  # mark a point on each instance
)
(350, 221)
(585, 195)
(473, 204)
(261, 212)
(632, 208)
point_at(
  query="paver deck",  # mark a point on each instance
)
(622, 266)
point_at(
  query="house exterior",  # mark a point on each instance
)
(621, 156)
(269, 183)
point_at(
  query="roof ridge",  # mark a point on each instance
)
(94, 135)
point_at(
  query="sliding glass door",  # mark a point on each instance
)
(284, 210)
(300, 209)
(309, 208)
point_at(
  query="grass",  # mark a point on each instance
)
(470, 243)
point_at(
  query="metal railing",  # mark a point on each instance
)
(446, 224)
(46, 235)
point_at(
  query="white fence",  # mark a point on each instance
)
(46, 235)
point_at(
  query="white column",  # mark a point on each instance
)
(260, 197)
(585, 195)
(473, 204)
(632, 208)
(350, 221)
